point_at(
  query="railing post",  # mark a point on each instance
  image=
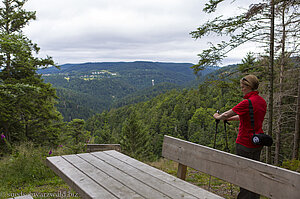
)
(181, 172)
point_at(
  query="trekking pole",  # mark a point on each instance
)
(214, 146)
(225, 131)
(227, 148)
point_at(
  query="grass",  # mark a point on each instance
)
(197, 178)
(217, 186)
(25, 172)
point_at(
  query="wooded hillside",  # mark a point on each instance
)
(89, 88)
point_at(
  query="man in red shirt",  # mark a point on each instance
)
(244, 145)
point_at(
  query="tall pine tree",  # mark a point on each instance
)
(135, 141)
(28, 113)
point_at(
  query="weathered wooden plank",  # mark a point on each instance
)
(118, 189)
(82, 184)
(128, 180)
(267, 180)
(144, 177)
(102, 147)
(181, 172)
(176, 182)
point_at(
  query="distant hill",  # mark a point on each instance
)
(88, 88)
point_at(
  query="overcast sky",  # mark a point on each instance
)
(77, 31)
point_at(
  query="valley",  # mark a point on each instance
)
(88, 88)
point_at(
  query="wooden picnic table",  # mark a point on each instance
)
(111, 174)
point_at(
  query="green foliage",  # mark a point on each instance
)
(25, 165)
(247, 63)
(144, 95)
(89, 88)
(200, 124)
(74, 136)
(16, 20)
(5, 146)
(217, 186)
(27, 113)
(211, 6)
(293, 165)
(104, 135)
(27, 109)
(135, 141)
(185, 114)
(240, 29)
(24, 172)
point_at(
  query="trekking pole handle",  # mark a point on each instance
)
(217, 121)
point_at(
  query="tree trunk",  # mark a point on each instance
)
(271, 71)
(297, 126)
(282, 65)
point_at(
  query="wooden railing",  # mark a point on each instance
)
(261, 178)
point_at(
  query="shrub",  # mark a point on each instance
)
(293, 165)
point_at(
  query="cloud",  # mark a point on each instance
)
(116, 30)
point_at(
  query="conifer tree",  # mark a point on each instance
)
(75, 136)
(104, 135)
(30, 108)
(135, 141)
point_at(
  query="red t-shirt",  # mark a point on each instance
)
(242, 109)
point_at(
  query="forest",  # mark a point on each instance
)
(29, 104)
(89, 88)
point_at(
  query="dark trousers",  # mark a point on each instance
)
(254, 154)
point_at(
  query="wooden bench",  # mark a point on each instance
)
(102, 147)
(111, 174)
(264, 179)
